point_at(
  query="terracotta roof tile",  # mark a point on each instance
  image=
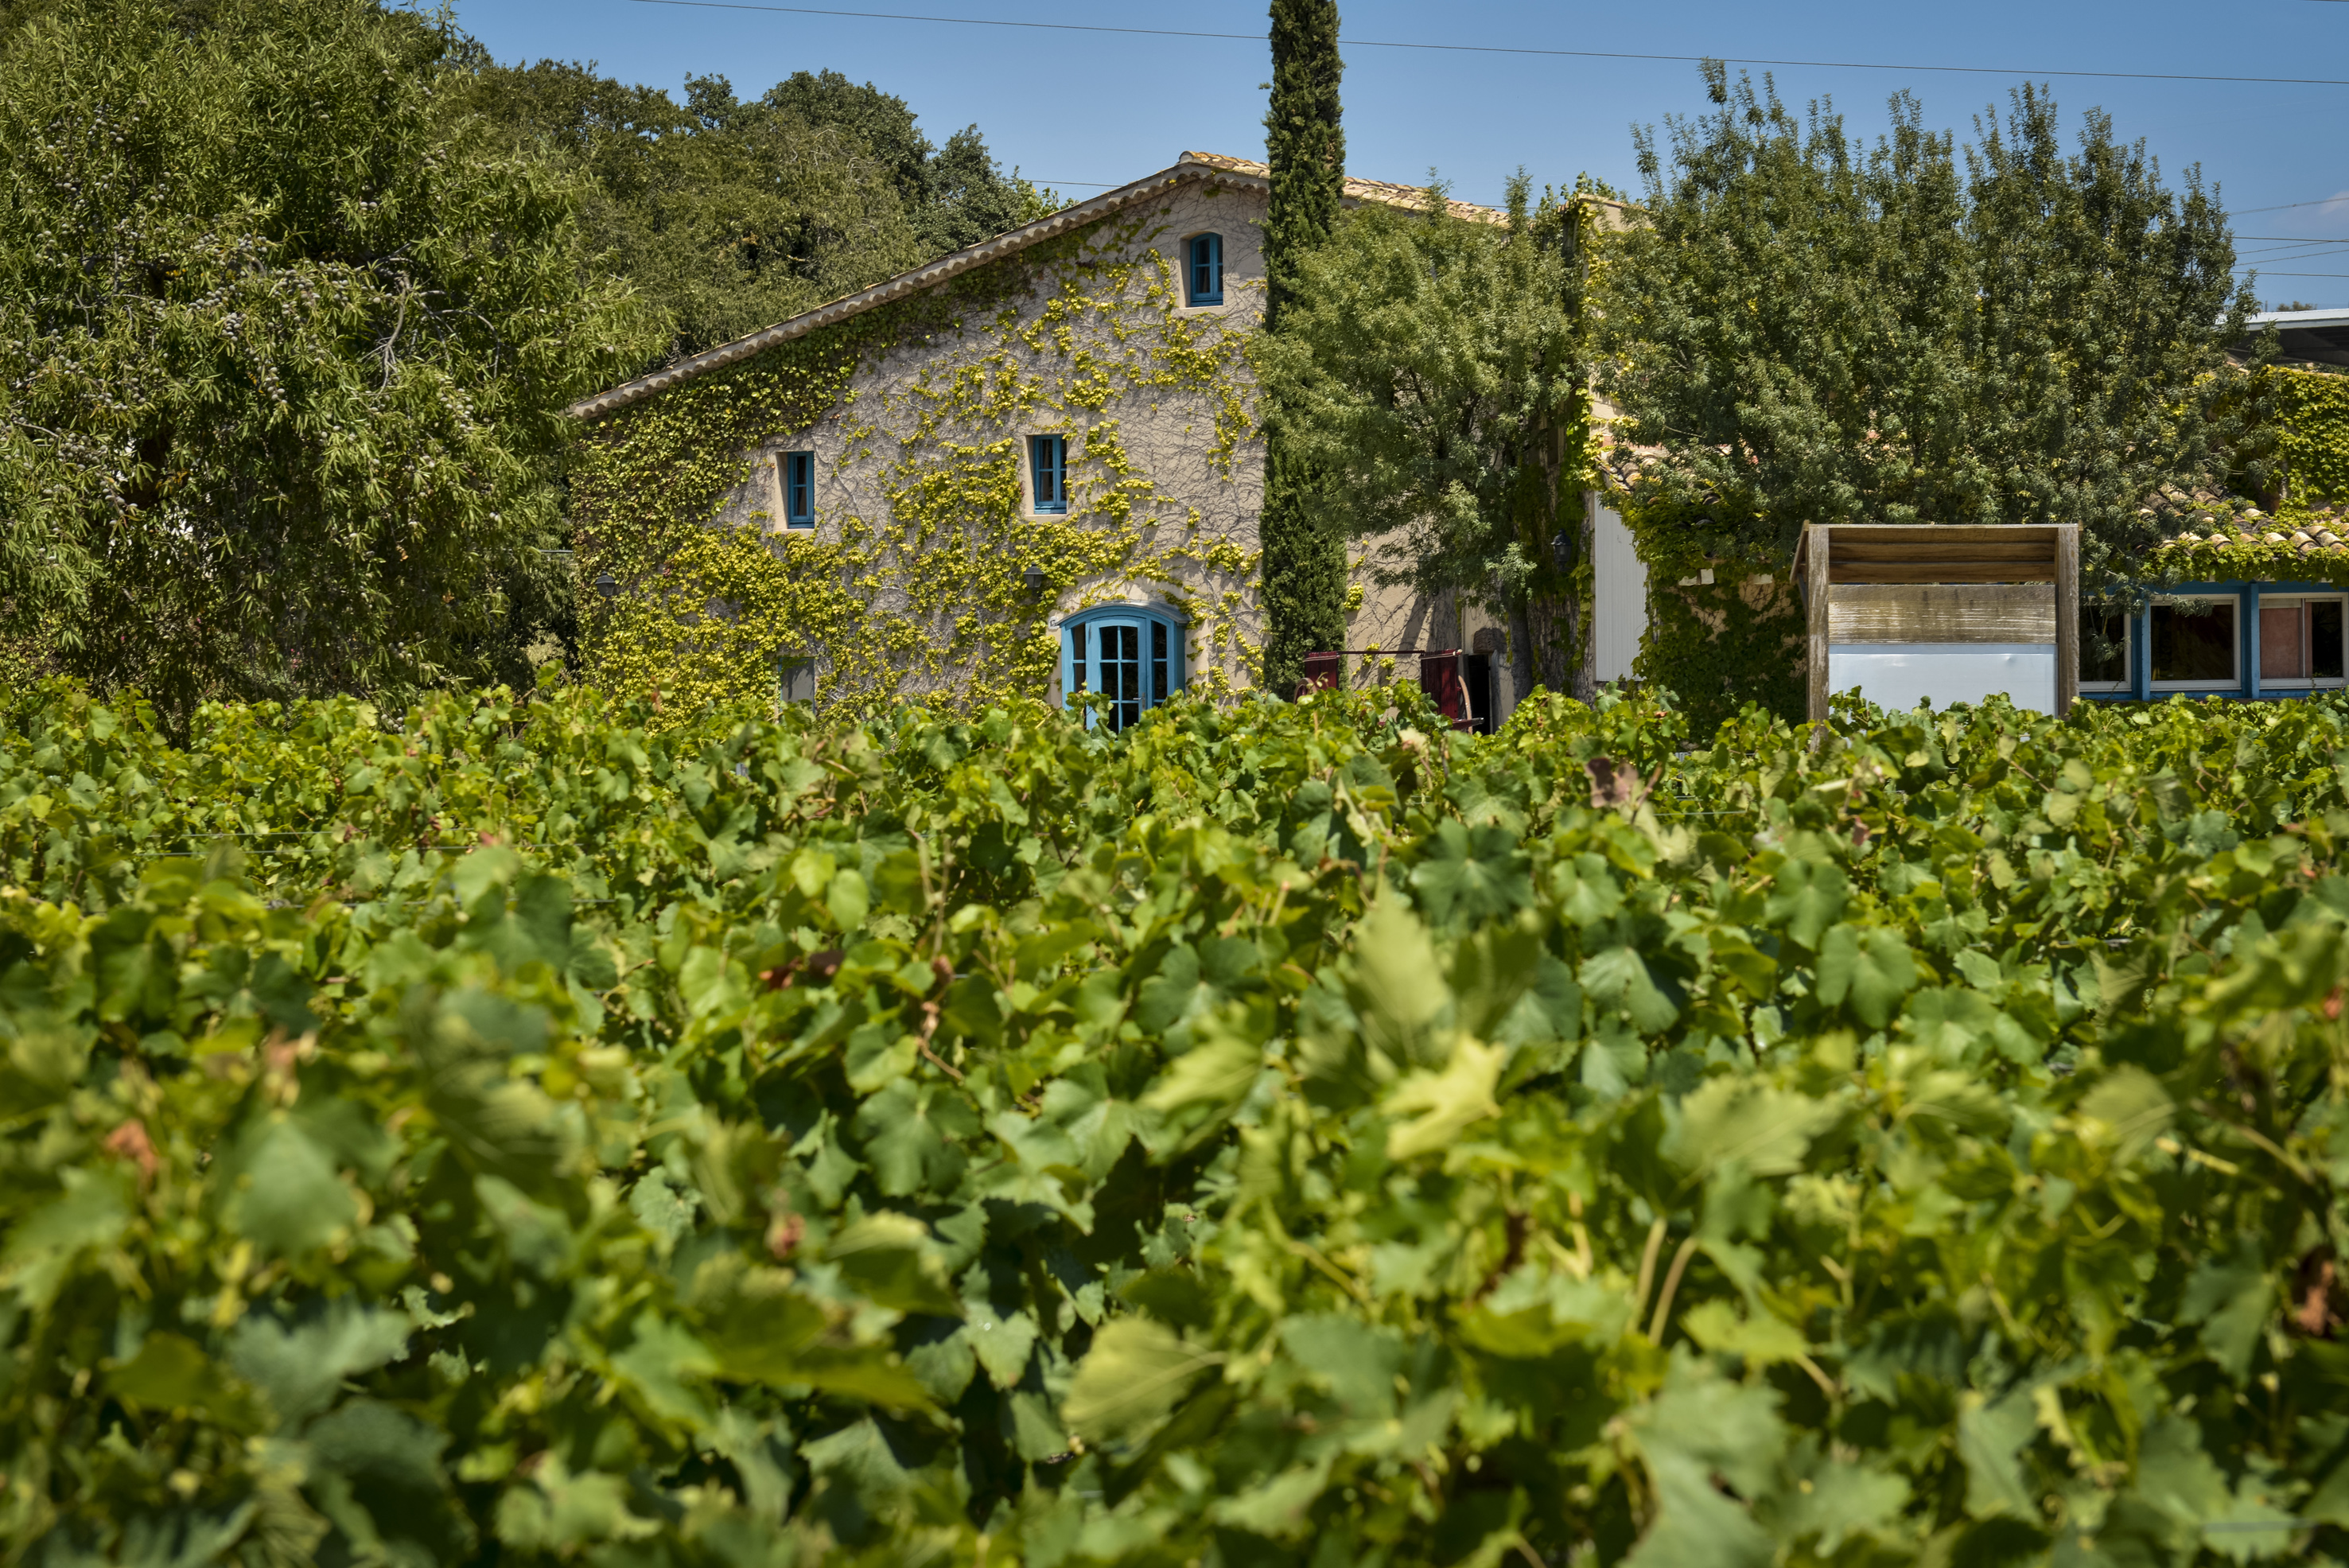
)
(1383, 192)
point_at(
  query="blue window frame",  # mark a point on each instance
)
(1205, 284)
(798, 489)
(1047, 464)
(1129, 654)
(2233, 640)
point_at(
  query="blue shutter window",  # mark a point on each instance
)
(1047, 461)
(1207, 269)
(799, 490)
(1132, 657)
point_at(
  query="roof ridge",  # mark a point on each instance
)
(1386, 193)
(1189, 167)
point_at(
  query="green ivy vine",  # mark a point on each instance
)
(2313, 430)
(1716, 646)
(927, 600)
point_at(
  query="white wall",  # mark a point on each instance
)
(1619, 599)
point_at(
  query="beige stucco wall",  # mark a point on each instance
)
(1078, 371)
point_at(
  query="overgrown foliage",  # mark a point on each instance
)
(1303, 581)
(1807, 330)
(1276, 1135)
(2313, 438)
(728, 215)
(1432, 369)
(924, 596)
(282, 354)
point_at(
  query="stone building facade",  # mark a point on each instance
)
(1034, 465)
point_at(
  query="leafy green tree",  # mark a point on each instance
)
(954, 195)
(283, 351)
(1431, 368)
(1809, 330)
(731, 214)
(726, 216)
(1304, 568)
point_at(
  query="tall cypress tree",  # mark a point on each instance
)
(1304, 560)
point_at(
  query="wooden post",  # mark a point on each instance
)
(2068, 618)
(1820, 540)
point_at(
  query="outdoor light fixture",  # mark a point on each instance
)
(606, 586)
(1034, 577)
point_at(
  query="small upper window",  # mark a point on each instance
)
(1047, 464)
(1207, 269)
(798, 489)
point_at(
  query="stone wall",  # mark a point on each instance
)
(1157, 402)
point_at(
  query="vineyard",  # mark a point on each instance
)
(536, 1129)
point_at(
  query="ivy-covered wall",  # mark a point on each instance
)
(2313, 420)
(1724, 629)
(912, 586)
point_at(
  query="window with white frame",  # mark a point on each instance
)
(2195, 643)
(1130, 654)
(2301, 640)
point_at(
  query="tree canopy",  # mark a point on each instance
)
(283, 347)
(1432, 368)
(730, 214)
(1303, 570)
(1806, 329)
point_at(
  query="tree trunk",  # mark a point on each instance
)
(1521, 650)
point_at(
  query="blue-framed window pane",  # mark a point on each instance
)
(1047, 462)
(799, 490)
(1205, 286)
(1133, 657)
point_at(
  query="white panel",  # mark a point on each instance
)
(1619, 599)
(1896, 674)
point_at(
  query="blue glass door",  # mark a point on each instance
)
(1121, 672)
(1136, 664)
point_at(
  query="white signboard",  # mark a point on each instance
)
(1896, 674)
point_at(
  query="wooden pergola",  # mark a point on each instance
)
(1927, 586)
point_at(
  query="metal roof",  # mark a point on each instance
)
(2314, 336)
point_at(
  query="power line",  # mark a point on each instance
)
(1499, 48)
(2292, 252)
(2288, 206)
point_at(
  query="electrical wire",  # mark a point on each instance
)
(1497, 48)
(2288, 206)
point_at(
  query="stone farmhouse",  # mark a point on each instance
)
(1031, 466)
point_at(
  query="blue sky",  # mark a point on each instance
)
(1083, 110)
